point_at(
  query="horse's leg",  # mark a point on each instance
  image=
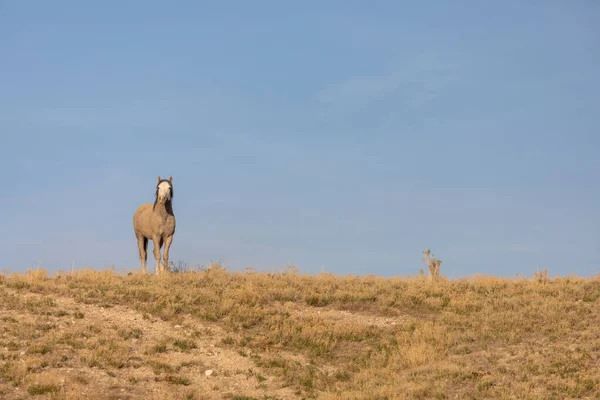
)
(142, 245)
(157, 243)
(162, 267)
(145, 254)
(168, 241)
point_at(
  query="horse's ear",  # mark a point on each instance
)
(159, 178)
(170, 179)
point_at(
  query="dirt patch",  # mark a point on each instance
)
(354, 318)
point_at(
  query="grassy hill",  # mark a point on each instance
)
(217, 334)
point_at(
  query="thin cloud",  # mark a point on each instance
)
(419, 83)
(495, 248)
(360, 90)
(522, 248)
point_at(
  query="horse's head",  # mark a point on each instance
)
(164, 190)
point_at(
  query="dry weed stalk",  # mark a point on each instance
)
(433, 264)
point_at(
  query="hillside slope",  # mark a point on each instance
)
(102, 335)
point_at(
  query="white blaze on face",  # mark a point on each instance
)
(164, 190)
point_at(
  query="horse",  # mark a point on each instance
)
(156, 222)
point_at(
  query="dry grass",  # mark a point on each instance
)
(284, 335)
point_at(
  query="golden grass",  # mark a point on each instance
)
(287, 335)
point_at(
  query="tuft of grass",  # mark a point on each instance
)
(185, 345)
(228, 340)
(135, 333)
(158, 348)
(82, 380)
(245, 340)
(39, 349)
(41, 389)
(178, 380)
(317, 301)
(161, 367)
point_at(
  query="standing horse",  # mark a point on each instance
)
(157, 223)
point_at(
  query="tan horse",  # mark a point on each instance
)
(157, 223)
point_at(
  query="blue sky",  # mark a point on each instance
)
(349, 136)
